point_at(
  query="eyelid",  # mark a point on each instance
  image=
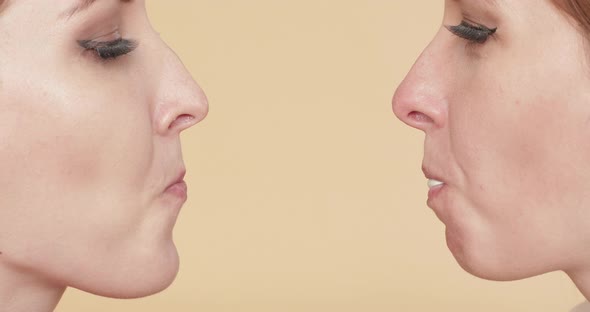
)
(471, 31)
(109, 49)
(112, 35)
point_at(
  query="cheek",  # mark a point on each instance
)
(42, 145)
(518, 133)
(70, 166)
(505, 152)
(520, 152)
(74, 148)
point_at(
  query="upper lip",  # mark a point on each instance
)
(430, 175)
(178, 178)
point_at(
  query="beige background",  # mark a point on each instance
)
(305, 192)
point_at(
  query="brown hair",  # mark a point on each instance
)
(579, 10)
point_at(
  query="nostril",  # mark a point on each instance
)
(420, 118)
(182, 121)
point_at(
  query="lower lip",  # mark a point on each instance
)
(179, 190)
(435, 191)
(434, 201)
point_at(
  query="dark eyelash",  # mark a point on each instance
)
(109, 49)
(474, 33)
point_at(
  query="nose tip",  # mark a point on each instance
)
(193, 114)
(420, 101)
(405, 106)
(202, 109)
(181, 101)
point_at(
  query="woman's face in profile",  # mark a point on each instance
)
(503, 96)
(92, 103)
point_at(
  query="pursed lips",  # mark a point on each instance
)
(434, 180)
(178, 188)
(179, 178)
(432, 183)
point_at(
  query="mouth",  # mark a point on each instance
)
(435, 183)
(432, 183)
(434, 188)
(178, 186)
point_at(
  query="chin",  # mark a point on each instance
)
(149, 284)
(489, 265)
(143, 276)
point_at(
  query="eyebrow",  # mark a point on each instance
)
(81, 5)
(3, 5)
(489, 3)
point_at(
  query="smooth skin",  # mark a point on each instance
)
(507, 129)
(87, 149)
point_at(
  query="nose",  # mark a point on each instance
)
(181, 103)
(419, 100)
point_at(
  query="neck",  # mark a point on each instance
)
(21, 290)
(582, 280)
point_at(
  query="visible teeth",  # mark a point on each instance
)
(434, 183)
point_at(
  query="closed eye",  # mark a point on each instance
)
(473, 32)
(107, 50)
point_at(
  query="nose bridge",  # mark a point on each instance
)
(419, 100)
(181, 102)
